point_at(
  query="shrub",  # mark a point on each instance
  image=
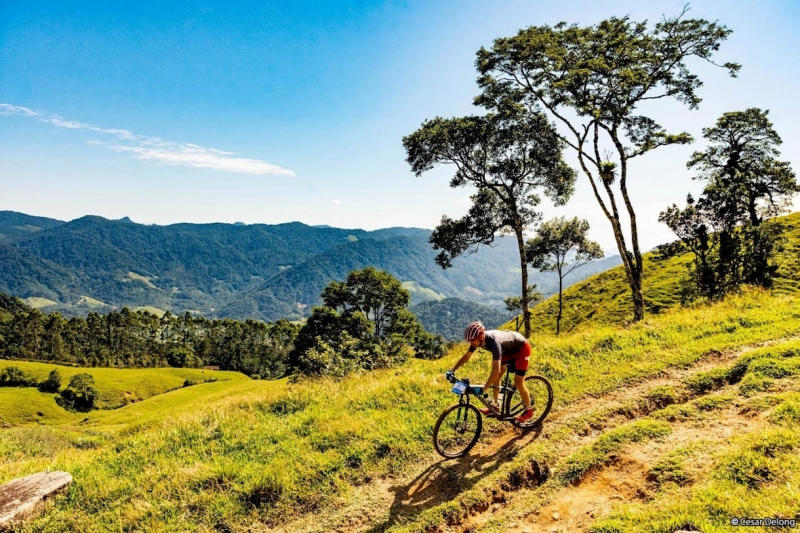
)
(80, 394)
(12, 376)
(428, 346)
(182, 357)
(52, 383)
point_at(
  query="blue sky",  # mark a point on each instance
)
(269, 112)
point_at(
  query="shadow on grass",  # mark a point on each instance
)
(443, 481)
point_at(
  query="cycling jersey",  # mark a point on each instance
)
(507, 347)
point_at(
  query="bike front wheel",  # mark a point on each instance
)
(541, 393)
(457, 430)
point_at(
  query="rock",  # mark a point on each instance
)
(21, 496)
(556, 516)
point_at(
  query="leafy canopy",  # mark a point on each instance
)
(507, 156)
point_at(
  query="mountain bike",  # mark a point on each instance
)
(459, 426)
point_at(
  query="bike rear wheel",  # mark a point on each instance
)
(457, 430)
(541, 393)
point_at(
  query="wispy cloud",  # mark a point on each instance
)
(337, 202)
(155, 149)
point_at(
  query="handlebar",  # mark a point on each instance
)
(453, 379)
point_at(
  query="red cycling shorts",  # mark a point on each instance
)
(519, 359)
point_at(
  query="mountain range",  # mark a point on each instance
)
(236, 270)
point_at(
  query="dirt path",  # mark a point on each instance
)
(385, 503)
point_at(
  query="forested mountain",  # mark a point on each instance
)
(448, 317)
(15, 226)
(233, 270)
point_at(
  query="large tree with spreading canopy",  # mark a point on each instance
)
(509, 156)
(593, 80)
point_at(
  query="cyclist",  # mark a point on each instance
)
(507, 347)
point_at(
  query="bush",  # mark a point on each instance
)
(80, 394)
(12, 376)
(428, 346)
(52, 383)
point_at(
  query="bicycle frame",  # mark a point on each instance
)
(506, 387)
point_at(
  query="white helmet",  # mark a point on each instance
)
(474, 331)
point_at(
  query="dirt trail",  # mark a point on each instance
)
(385, 503)
(576, 508)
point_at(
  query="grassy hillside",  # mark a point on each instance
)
(606, 298)
(355, 455)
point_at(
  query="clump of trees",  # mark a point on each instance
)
(140, 339)
(363, 324)
(729, 228)
(13, 376)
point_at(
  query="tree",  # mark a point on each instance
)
(508, 156)
(593, 80)
(79, 394)
(693, 227)
(561, 245)
(52, 383)
(514, 303)
(374, 293)
(746, 185)
(363, 324)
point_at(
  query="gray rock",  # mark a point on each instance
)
(21, 496)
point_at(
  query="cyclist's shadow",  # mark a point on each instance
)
(444, 480)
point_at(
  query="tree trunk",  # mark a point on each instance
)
(526, 313)
(560, 302)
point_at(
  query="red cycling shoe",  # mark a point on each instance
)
(488, 411)
(524, 417)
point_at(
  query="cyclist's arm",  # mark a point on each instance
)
(464, 359)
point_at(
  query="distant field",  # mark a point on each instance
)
(117, 386)
(38, 303)
(152, 310)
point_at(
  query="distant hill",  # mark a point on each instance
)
(450, 316)
(15, 226)
(236, 270)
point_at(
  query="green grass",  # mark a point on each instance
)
(598, 453)
(756, 475)
(245, 454)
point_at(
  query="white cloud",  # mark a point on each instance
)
(337, 202)
(8, 109)
(463, 201)
(155, 149)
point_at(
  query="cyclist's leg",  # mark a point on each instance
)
(521, 367)
(494, 384)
